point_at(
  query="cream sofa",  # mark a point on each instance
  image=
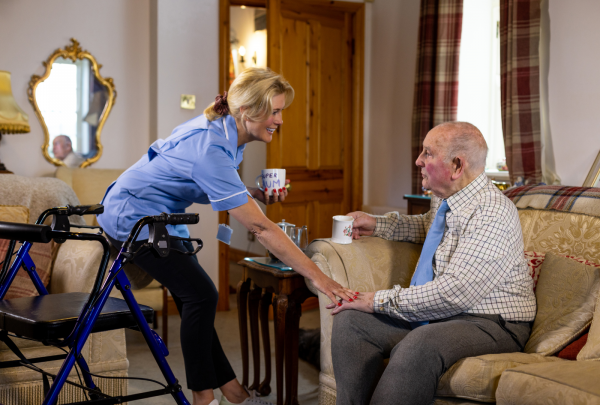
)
(74, 270)
(565, 221)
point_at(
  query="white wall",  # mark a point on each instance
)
(187, 63)
(574, 87)
(387, 142)
(116, 33)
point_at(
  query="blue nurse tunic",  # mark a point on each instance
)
(198, 163)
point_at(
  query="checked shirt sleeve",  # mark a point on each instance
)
(405, 228)
(482, 258)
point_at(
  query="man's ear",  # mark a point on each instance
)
(458, 167)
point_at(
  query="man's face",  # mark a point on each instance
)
(60, 147)
(435, 171)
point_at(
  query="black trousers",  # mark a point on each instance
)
(195, 295)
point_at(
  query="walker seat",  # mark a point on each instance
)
(53, 316)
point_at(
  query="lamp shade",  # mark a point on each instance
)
(13, 119)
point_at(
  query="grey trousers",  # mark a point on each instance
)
(360, 342)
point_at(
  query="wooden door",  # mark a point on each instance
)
(318, 45)
(313, 46)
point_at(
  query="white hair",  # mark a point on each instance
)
(466, 141)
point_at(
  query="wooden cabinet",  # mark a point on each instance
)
(417, 204)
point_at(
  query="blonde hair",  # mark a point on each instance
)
(254, 89)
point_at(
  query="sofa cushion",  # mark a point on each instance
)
(536, 259)
(22, 286)
(572, 350)
(561, 233)
(565, 383)
(14, 213)
(476, 378)
(591, 350)
(566, 295)
(40, 253)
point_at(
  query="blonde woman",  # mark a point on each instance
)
(198, 164)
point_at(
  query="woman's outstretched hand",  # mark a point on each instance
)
(333, 289)
(364, 224)
(264, 197)
(362, 302)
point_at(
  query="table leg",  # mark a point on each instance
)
(265, 387)
(292, 325)
(280, 306)
(242, 300)
(253, 302)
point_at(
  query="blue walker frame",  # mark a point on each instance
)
(159, 240)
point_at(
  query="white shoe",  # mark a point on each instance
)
(253, 399)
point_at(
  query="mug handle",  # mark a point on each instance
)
(257, 183)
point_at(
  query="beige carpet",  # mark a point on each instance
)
(142, 364)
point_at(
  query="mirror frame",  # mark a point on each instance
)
(72, 52)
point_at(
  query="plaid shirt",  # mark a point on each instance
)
(479, 266)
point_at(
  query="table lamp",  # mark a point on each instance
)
(13, 119)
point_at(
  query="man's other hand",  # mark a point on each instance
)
(362, 302)
(363, 225)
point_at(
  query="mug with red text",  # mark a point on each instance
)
(272, 179)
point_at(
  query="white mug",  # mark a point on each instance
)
(342, 229)
(272, 179)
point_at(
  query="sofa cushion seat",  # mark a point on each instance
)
(476, 378)
(567, 383)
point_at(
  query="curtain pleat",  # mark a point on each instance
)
(520, 89)
(436, 81)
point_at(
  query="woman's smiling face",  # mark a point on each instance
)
(263, 130)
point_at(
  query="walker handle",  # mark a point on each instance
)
(25, 232)
(85, 209)
(176, 219)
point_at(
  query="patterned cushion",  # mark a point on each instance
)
(561, 233)
(566, 295)
(591, 350)
(581, 200)
(40, 253)
(565, 383)
(535, 260)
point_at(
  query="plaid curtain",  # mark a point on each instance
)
(520, 87)
(436, 81)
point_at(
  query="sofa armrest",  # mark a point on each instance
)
(367, 264)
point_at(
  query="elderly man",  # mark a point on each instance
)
(471, 293)
(63, 150)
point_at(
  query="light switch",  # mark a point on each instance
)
(188, 101)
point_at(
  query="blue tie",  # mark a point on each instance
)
(424, 272)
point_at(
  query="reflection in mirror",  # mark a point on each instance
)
(72, 102)
(248, 38)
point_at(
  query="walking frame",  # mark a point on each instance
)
(66, 320)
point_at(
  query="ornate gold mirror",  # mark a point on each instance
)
(72, 101)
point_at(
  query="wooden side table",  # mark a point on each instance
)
(417, 204)
(260, 287)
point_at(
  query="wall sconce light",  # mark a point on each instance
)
(242, 52)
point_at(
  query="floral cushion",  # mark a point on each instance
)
(40, 253)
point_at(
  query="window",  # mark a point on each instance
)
(479, 78)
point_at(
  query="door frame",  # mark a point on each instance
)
(355, 12)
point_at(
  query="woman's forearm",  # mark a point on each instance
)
(274, 239)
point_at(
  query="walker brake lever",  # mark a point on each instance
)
(198, 241)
